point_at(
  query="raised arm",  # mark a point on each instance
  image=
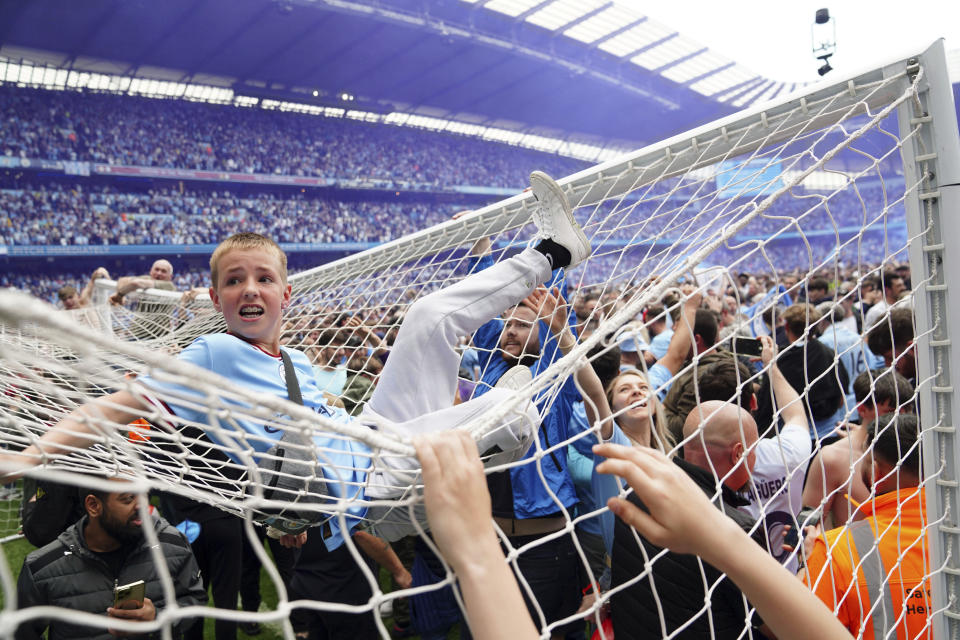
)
(369, 337)
(551, 306)
(683, 519)
(817, 490)
(458, 510)
(127, 284)
(787, 399)
(682, 339)
(76, 431)
(86, 296)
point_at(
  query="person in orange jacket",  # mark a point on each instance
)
(874, 572)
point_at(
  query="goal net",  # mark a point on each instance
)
(753, 210)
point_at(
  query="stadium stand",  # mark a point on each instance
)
(123, 130)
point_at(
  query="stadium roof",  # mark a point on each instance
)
(579, 69)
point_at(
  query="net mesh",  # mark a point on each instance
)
(812, 187)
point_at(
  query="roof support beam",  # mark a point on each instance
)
(680, 60)
(780, 88)
(308, 74)
(98, 24)
(751, 97)
(532, 10)
(583, 18)
(286, 46)
(403, 79)
(425, 98)
(650, 45)
(10, 15)
(707, 74)
(501, 89)
(230, 39)
(752, 88)
(751, 82)
(613, 34)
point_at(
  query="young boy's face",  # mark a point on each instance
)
(251, 294)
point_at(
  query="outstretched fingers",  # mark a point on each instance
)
(454, 492)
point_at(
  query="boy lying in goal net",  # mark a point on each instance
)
(298, 473)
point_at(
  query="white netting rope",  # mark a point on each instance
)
(665, 218)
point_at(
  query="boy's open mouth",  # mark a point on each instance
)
(251, 311)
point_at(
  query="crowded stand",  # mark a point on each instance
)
(84, 215)
(347, 351)
(122, 130)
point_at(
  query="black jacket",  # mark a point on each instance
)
(678, 580)
(48, 509)
(65, 573)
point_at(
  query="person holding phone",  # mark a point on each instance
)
(103, 565)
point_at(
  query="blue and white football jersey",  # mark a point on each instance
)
(345, 461)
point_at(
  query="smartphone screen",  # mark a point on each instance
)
(135, 591)
(747, 346)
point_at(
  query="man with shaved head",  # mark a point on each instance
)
(749, 479)
(768, 472)
(152, 318)
(723, 439)
(722, 436)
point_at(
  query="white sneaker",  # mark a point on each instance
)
(515, 378)
(509, 442)
(554, 218)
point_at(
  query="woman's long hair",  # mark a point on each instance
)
(660, 437)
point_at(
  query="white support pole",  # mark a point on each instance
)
(932, 159)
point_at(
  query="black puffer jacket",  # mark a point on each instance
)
(678, 581)
(65, 573)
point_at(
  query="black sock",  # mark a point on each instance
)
(555, 253)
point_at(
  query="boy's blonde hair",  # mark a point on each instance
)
(243, 241)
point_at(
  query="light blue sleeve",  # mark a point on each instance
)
(580, 467)
(578, 425)
(198, 354)
(660, 343)
(605, 486)
(660, 379)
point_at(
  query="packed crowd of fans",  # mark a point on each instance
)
(124, 130)
(843, 337)
(94, 216)
(826, 374)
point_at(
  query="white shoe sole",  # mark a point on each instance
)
(515, 378)
(572, 238)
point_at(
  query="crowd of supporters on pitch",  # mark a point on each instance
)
(346, 342)
(124, 130)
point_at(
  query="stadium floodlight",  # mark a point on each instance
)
(823, 38)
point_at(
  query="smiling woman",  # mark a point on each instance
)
(637, 411)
